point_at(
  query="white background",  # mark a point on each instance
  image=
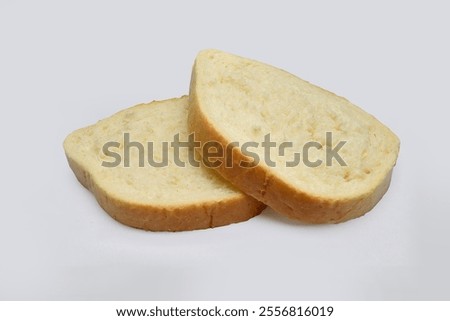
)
(65, 65)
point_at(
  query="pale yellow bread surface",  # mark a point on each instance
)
(170, 198)
(234, 99)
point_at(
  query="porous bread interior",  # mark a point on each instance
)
(172, 185)
(245, 100)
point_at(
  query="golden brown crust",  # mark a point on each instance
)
(271, 190)
(155, 218)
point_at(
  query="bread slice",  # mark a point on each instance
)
(166, 198)
(233, 99)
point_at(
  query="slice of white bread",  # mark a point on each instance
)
(234, 99)
(169, 198)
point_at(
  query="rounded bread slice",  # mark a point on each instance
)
(331, 161)
(157, 198)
